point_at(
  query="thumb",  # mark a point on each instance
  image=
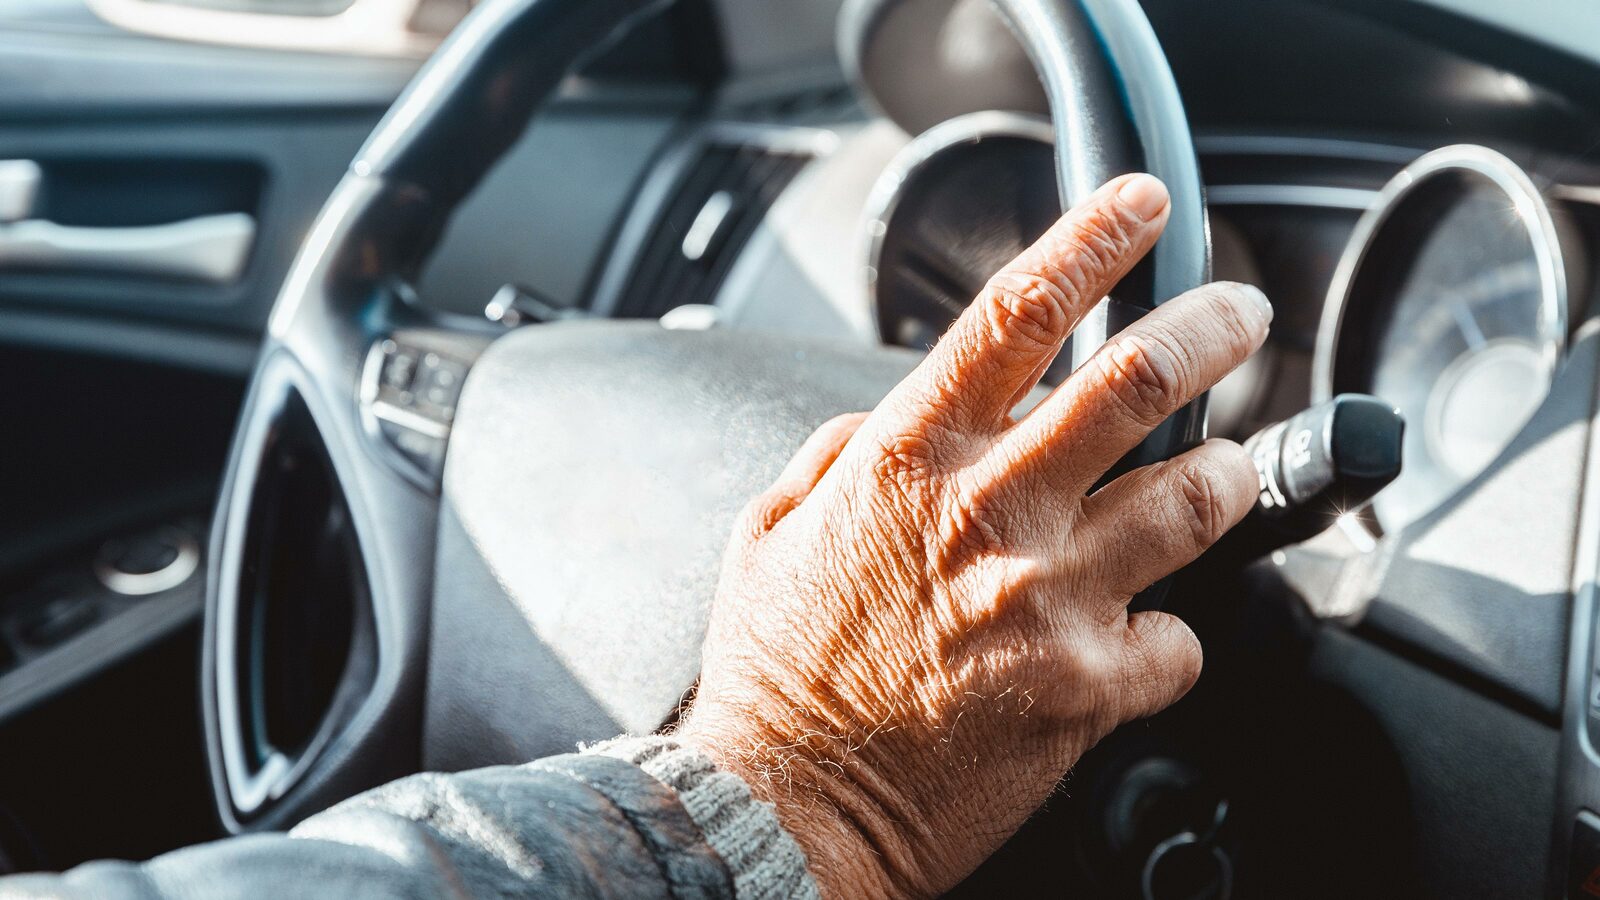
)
(809, 464)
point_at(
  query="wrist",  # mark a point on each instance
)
(851, 846)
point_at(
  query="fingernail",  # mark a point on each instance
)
(1145, 195)
(1258, 300)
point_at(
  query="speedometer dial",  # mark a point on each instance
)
(1450, 304)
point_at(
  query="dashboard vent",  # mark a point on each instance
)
(720, 200)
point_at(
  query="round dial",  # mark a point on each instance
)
(954, 206)
(1451, 306)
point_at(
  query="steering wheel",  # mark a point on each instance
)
(375, 606)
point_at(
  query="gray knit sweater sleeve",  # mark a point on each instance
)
(764, 861)
(633, 818)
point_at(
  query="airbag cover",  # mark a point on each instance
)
(594, 472)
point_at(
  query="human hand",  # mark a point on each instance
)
(923, 624)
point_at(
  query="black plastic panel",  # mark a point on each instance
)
(98, 446)
(1374, 68)
(545, 216)
(305, 644)
(1477, 782)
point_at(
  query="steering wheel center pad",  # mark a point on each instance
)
(595, 472)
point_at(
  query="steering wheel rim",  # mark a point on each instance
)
(1115, 107)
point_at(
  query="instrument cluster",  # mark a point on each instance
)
(1449, 299)
(1450, 302)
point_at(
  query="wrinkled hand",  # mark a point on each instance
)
(924, 623)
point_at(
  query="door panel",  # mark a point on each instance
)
(123, 374)
(132, 136)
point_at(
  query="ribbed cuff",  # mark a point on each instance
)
(764, 860)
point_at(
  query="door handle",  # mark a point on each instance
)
(19, 188)
(211, 249)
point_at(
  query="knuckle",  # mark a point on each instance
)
(1143, 375)
(1026, 308)
(1092, 253)
(1204, 507)
(764, 512)
(1101, 239)
(1078, 260)
(905, 458)
(1238, 328)
(971, 523)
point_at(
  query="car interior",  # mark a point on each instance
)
(387, 374)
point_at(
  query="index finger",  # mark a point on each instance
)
(1001, 344)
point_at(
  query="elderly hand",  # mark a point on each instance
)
(924, 623)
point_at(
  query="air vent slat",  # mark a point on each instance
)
(686, 276)
(722, 198)
(656, 260)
